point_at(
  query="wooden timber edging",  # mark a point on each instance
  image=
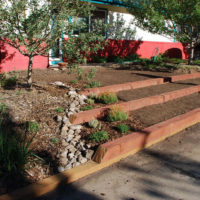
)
(108, 154)
(87, 116)
(184, 77)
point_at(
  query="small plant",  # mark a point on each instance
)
(86, 108)
(91, 74)
(108, 98)
(59, 110)
(6, 81)
(93, 123)
(116, 113)
(54, 140)
(90, 101)
(74, 81)
(93, 84)
(99, 136)
(123, 128)
(92, 96)
(33, 127)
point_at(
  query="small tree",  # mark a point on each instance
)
(33, 26)
(179, 19)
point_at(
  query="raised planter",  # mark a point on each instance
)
(87, 116)
(108, 154)
(125, 86)
(139, 140)
(184, 77)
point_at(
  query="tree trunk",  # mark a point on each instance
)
(29, 75)
(191, 56)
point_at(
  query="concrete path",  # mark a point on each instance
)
(168, 170)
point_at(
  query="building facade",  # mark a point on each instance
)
(142, 43)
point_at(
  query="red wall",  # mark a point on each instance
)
(11, 59)
(144, 49)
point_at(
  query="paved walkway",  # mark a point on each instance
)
(168, 170)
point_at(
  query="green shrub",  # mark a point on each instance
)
(123, 128)
(174, 60)
(6, 81)
(74, 81)
(93, 123)
(116, 113)
(93, 84)
(90, 101)
(99, 136)
(196, 62)
(59, 110)
(107, 98)
(87, 108)
(98, 59)
(54, 140)
(33, 127)
(14, 153)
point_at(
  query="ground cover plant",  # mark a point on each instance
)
(116, 113)
(107, 98)
(86, 108)
(123, 128)
(99, 136)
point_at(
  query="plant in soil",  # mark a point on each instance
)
(59, 110)
(86, 108)
(90, 101)
(99, 136)
(116, 113)
(93, 84)
(33, 127)
(7, 81)
(93, 123)
(54, 140)
(74, 81)
(123, 128)
(108, 98)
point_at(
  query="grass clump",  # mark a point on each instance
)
(74, 81)
(93, 84)
(93, 123)
(14, 153)
(90, 101)
(123, 128)
(116, 113)
(54, 140)
(108, 98)
(99, 136)
(33, 127)
(87, 108)
(8, 81)
(59, 110)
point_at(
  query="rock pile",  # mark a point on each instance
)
(74, 150)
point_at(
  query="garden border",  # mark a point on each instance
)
(124, 86)
(156, 133)
(88, 115)
(184, 77)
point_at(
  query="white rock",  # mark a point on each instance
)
(76, 103)
(77, 132)
(76, 127)
(72, 92)
(64, 154)
(76, 164)
(89, 154)
(70, 155)
(59, 118)
(73, 105)
(82, 97)
(72, 110)
(63, 161)
(69, 113)
(69, 166)
(64, 143)
(81, 159)
(61, 169)
(69, 138)
(70, 132)
(58, 83)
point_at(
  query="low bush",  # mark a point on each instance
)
(87, 108)
(116, 113)
(90, 101)
(99, 136)
(33, 127)
(108, 98)
(123, 128)
(6, 81)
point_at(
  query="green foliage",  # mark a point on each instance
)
(59, 110)
(99, 136)
(74, 81)
(7, 81)
(108, 98)
(98, 59)
(3, 112)
(54, 140)
(14, 153)
(93, 123)
(93, 84)
(123, 128)
(173, 60)
(196, 62)
(87, 108)
(18, 93)
(33, 127)
(90, 101)
(116, 113)
(178, 19)
(92, 96)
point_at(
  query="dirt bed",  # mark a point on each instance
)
(157, 113)
(129, 95)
